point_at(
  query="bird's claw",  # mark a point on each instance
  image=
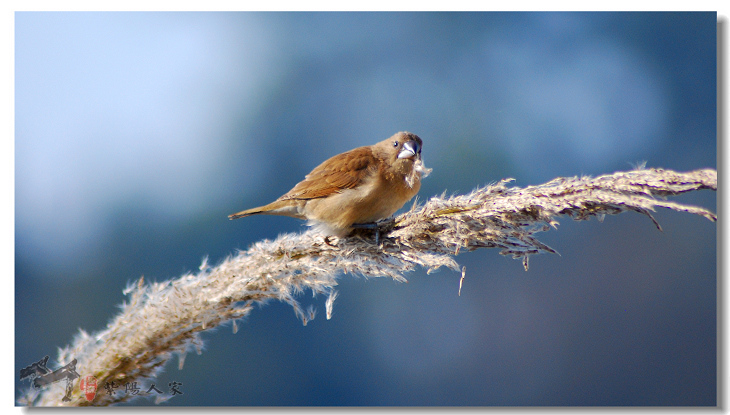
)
(383, 223)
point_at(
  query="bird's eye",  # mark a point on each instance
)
(395, 144)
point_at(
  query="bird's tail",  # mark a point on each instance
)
(244, 213)
(278, 207)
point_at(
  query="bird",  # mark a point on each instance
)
(354, 189)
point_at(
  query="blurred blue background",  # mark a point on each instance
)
(138, 133)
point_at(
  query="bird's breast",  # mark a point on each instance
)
(375, 198)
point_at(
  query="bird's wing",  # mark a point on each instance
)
(343, 171)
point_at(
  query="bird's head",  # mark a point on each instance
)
(402, 148)
(408, 146)
(402, 154)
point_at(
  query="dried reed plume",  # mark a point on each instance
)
(166, 318)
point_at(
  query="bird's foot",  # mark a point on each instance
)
(381, 225)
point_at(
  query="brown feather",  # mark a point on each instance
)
(343, 171)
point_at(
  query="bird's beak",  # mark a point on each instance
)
(410, 150)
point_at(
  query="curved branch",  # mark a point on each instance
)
(166, 318)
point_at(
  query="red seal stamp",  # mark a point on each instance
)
(87, 386)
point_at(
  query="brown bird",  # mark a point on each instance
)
(358, 187)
